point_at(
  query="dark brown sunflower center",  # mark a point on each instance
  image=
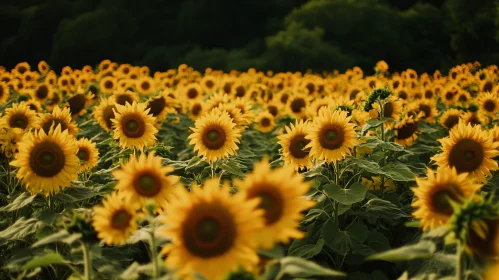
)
(265, 122)
(108, 84)
(449, 96)
(22, 69)
(403, 95)
(121, 219)
(122, 99)
(33, 107)
(196, 109)
(157, 106)
(209, 231)
(147, 184)
(331, 137)
(209, 84)
(145, 85)
(428, 94)
(42, 92)
(466, 155)
(83, 154)
(192, 93)
(353, 94)
(240, 91)
(46, 126)
(463, 98)
(407, 131)
(133, 126)
(47, 159)
(77, 103)
(271, 201)
(297, 105)
(396, 84)
(19, 120)
(108, 115)
(451, 121)
(273, 110)
(388, 110)
(227, 88)
(489, 105)
(441, 200)
(310, 87)
(296, 146)
(214, 138)
(2, 91)
(473, 119)
(284, 98)
(488, 86)
(426, 109)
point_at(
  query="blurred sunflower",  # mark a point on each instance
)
(104, 113)
(331, 135)
(87, 153)
(107, 84)
(406, 131)
(468, 149)
(265, 122)
(196, 109)
(20, 116)
(280, 192)
(43, 67)
(215, 136)
(145, 85)
(450, 118)
(297, 105)
(57, 117)
(42, 92)
(159, 106)
(488, 104)
(435, 194)
(145, 178)
(212, 231)
(115, 220)
(293, 144)
(122, 97)
(4, 93)
(133, 126)
(47, 161)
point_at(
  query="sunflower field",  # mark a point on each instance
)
(113, 172)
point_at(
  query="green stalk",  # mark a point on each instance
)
(87, 261)
(459, 261)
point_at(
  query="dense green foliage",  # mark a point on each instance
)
(280, 35)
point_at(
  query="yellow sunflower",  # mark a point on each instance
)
(108, 84)
(42, 92)
(293, 144)
(133, 126)
(78, 102)
(448, 96)
(471, 118)
(145, 178)
(406, 132)
(145, 85)
(9, 138)
(58, 116)
(450, 118)
(433, 196)
(235, 114)
(488, 103)
(331, 135)
(280, 192)
(43, 67)
(487, 85)
(104, 113)
(468, 149)
(492, 271)
(212, 231)
(297, 105)
(20, 116)
(87, 153)
(215, 136)
(215, 100)
(122, 97)
(426, 106)
(196, 109)
(160, 106)
(265, 122)
(115, 220)
(209, 83)
(245, 105)
(4, 93)
(47, 161)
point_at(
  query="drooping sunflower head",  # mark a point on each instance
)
(47, 161)
(265, 122)
(43, 67)
(19, 116)
(145, 179)
(78, 101)
(450, 118)
(470, 150)
(280, 193)
(115, 220)
(87, 154)
(104, 113)
(406, 132)
(293, 144)
(133, 126)
(332, 135)
(436, 192)
(212, 232)
(215, 136)
(58, 117)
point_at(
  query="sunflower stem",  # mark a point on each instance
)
(154, 254)
(381, 114)
(337, 182)
(87, 261)
(212, 165)
(459, 261)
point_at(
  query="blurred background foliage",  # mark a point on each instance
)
(278, 35)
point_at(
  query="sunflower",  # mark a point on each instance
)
(33, 105)
(215, 100)
(20, 116)
(463, 97)
(471, 118)
(133, 126)
(115, 220)
(450, 118)
(192, 92)
(391, 109)
(215, 136)
(145, 85)
(265, 122)
(144, 178)
(78, 101)
(58, 116)
(293, 144)
(196, 109)
(9, 138)
(122, 97)
(47, 161)
(43, 67)
(87, 153)
(238, 90)
(402, 94)
(22, 67)
(235, 114)
(406, 131)
(488, 103)
(280, 192)
(212, 231)
(426, 106)
(448, 96)
(209, 83)
(42, 92)
(468, 149)
(317, 104)
(104, 113)
(245, 105)
(487, 86)
(108, 84)
(331, 135)
(160, 106)
(4, 93)
(435, 194)
(297, 105)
